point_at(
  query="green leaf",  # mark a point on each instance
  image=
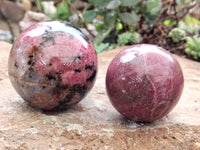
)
(98, 3)
(99, 27)
(89, 16)
(91, 2)
(62, 12)
(129, 18)
(153, 9)
(111, 18)
(129, 3)
(153, 5)
(113, 4)
(191, 20)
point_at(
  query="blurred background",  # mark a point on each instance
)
(171, 24)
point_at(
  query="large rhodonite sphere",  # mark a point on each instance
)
(144, 82)
(52, 65)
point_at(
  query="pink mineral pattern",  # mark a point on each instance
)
(52, 65)
(144, 82)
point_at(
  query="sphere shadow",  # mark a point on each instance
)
(56, 111)
(133, 123)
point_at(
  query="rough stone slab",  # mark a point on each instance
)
(94, 124)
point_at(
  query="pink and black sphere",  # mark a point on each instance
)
(52, 65)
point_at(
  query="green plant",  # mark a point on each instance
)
(128, 38)
(120, 15)
(187, 27)
(62, 12)
(192, 47)
(191, 20)
(188, 24)
(112, 18)
(103, 47)
(177, 35)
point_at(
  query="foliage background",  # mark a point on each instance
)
(112, 23)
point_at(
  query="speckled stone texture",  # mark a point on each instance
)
(93, 124)
(144, 82)
(52, 65)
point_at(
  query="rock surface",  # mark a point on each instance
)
(32, 18)
(12, 11)
(94, 123)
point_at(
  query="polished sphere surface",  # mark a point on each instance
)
(144, 82)
(52, 65)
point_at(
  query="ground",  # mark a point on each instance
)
(94, 124)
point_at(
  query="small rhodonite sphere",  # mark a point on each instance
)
(144, 82)
(52, 65)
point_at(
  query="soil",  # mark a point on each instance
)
(158, 35)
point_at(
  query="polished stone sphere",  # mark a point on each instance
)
(52, 65)
(144, 82)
